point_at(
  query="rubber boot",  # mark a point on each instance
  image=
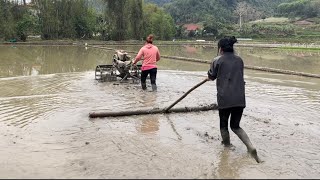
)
(245, 139)
(225, 137)
(154, 87)
(144, 86)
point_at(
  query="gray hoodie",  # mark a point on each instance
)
(228, 70)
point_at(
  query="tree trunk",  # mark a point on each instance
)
(240, 22)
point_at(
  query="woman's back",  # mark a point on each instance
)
(230, 81)
(150, 54)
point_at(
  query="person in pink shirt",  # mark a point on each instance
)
(151, 56)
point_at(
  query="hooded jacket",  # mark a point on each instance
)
(228, 70)
(151, 55)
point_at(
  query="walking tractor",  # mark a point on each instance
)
(121, 68)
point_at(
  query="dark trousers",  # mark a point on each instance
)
(153, 76)
(236, 114)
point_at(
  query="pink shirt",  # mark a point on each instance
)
(150, 54)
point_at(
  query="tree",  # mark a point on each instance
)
(135, 9)
(116, 9)
(301, 8)
(241, 10)
(7, 30)
(26, 25)
(16, 20)
(65, 18)
(158, 22)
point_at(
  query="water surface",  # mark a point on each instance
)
(47, 93)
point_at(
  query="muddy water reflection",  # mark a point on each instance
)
(149, 124)
(46, 132)
(35, 60)
(226, 166)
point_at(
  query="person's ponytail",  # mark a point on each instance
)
(149, 39)
(232, 40)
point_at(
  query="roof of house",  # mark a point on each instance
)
(192, 27)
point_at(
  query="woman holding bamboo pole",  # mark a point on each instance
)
(227, 69)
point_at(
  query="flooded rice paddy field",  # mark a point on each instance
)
(294, 60)
(47, 93)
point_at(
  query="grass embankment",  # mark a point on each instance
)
(300, 48)
(254, 43)
(306, 31)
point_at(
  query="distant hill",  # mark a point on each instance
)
(223, 11)
(267, 6)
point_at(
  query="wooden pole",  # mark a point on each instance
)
(193, 88)
(153, 111)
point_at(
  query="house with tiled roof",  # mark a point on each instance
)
(192, 27)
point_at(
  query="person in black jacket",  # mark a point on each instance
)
(227, 69)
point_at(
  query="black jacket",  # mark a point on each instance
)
(228, 70)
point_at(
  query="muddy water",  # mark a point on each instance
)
(46, 96)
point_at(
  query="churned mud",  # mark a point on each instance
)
(46, 131)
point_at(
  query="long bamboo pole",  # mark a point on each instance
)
(193, 88)
(153, 111)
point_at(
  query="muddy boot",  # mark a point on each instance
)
(154, 87)
(144, 86)
(225, 137)
(245, 139)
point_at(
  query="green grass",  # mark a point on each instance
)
(272, 20)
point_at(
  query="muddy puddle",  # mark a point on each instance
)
(46, 132)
